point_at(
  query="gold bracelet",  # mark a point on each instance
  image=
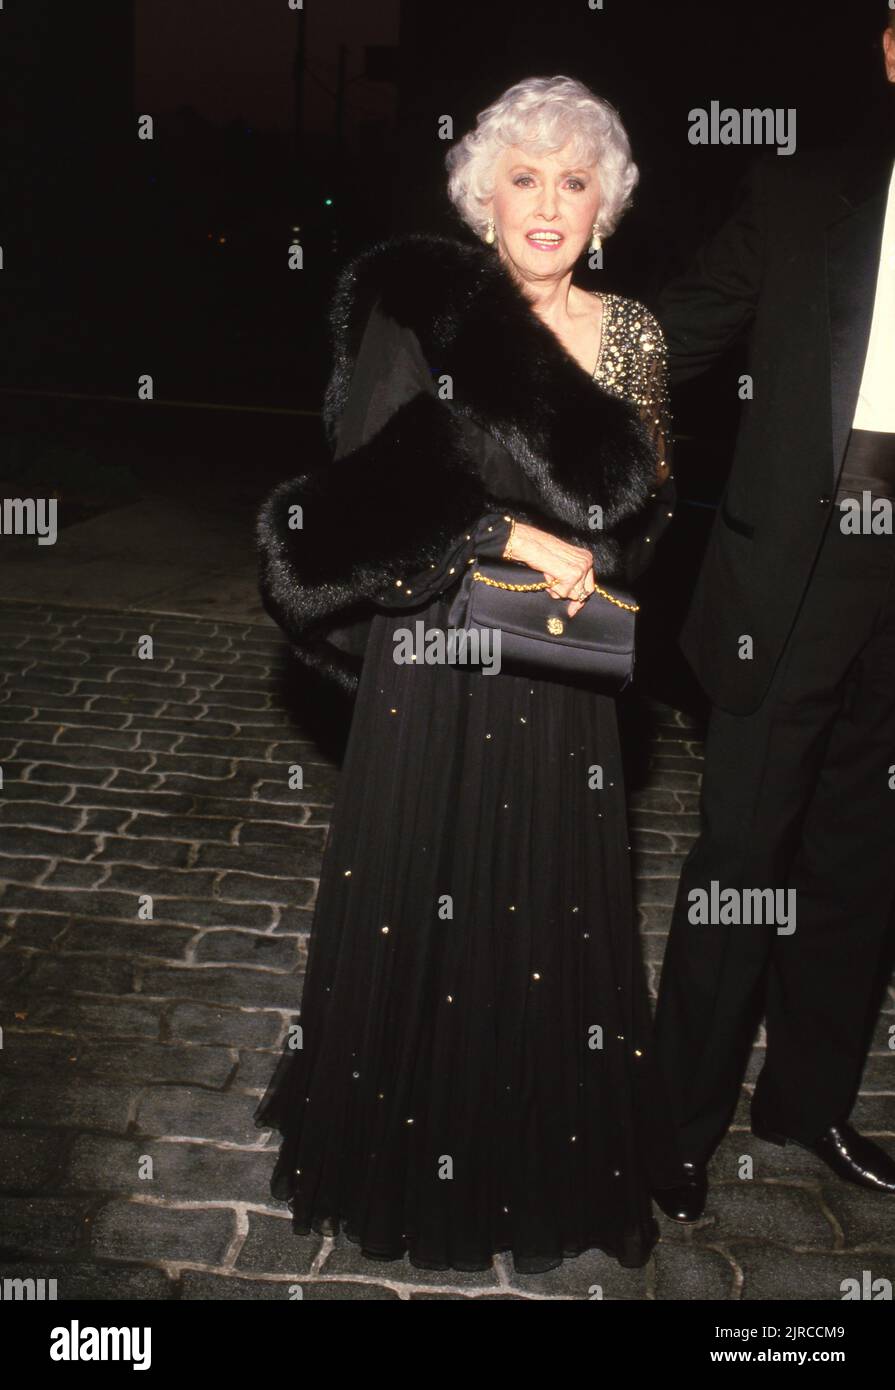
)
(508, 552)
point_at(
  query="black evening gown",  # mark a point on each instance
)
(476, 1072)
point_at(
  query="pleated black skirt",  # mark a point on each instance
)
(475, 1072)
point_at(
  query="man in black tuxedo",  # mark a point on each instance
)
(792, 634)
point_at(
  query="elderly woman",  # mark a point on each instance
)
(474, 1072)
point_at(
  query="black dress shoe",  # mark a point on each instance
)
(686, 1200)
(842, 1149)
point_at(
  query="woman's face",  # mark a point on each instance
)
(544, 210)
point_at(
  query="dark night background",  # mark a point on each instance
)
(169, 256)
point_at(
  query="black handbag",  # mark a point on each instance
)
(537, 633)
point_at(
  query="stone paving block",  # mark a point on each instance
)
(314, 793)
(235, 785)
(198, 1172)
(38, 815)
(255, 1067)
(142, 1230)
(248, 948)
(272, 1247)
(646, 800)
(45, 724)
(182, 1112)
(774, 1272)
(257, 888)
(652, 842)
(43, 1226)
(142, 799)
(213, 912)
(131, 939)
(693, 1273)
(673, 822)
(51, 844)
(156, 1063)
(178, 829)
(66, 1103)
(227, 747)
(91, 974)
(67, 875)
(295, 919)
(265, 989)
(290, 813)
(879, 1075)
(29, 1159)
(148, 780)
(150, 853)
(209, 1286)
(83, 736)
(656, 865)
(139, 879)
(36, 929)
(86, 1016)
(16, 714)
(768, 1160)
(192, 723)
(198, 764)
(14, 789)
(654, 917)
(772, 1210)
(866, 1218)
(272, 861)
(655, 892)
(27, 1054)
(25, 870)
(236, 1027)
(115, 704)
(305, 840)
(65, 755)
(47, 699)
(235, 702)
(875, 1114)
(89, 1282)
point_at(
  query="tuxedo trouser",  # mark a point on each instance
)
(798, 795)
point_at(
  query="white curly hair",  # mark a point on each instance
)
(542, 114)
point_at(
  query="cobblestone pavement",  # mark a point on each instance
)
(128, 1040)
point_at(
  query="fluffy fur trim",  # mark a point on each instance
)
(404, 502)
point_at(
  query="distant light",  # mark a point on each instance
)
(221, 240)
(328, 202)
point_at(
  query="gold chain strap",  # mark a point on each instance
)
(529, 588)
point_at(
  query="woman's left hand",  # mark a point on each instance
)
(568, 568)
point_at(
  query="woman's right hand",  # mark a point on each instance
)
(568, 568)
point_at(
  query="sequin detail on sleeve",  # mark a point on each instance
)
(633, 364)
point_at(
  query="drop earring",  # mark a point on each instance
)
(596, 241)
(489, 233)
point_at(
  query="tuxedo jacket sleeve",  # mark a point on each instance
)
(704, 310)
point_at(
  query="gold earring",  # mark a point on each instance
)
(489, 234)
(596, 241)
